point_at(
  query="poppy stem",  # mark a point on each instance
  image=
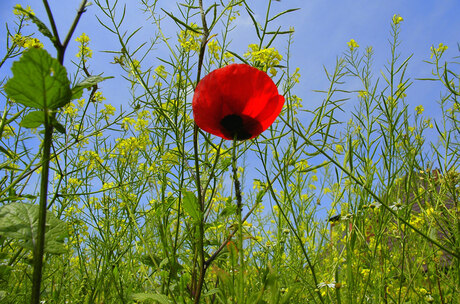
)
(239, 210)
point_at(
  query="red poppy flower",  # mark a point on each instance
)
(236, 101)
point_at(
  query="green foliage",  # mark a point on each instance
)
(19, 221)
(39, 81)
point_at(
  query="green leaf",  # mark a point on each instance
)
(150, 296)
(39, 81)
(19, 221)
(37, 118)
(58, 126)
(190, 204)
(33, 120)
(77, 91)
(178, 21)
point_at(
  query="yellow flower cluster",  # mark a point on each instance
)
(108, 110)
(27, 42)
(214, 50)
(362, 94)
(130, 146)
(8, 132)
(401, 90)
(92, 157)
(190, 40)
(161, 72)
(98, 97)
(70, 109)
(397, 19)
(84, 52)
(267, 59)
(438, 51)
(419, 109)
(352, 44)
(19, 10)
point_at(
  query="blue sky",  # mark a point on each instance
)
(323, 29)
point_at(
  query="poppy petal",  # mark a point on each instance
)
(236, 101)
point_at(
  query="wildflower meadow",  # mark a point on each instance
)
(192, 167)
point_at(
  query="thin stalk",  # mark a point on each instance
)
(202, 261)
(239, 210)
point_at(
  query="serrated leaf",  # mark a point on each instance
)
(39, 81)
(150, 296)
(77, 91)
(33, 120)
(19, 221)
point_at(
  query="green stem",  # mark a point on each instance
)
(239, 210)
(39, 246)
(201, 259)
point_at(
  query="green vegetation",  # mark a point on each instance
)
(129, 202)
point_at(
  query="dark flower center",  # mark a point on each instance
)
(239, 127)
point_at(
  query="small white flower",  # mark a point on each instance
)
(326, 284)
(375, 205)
(396, 205)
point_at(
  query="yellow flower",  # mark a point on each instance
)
(70, 109)
(397, 19)
(8, 131)
(339, 149)
(362, 94)
(161, 71)
(108, 110)
(401, 90)
(84, 52)
(419, 109)
(98, 97)
(214, 49)
(27, 42)
(296, 75)
(353, 45)
(190, 40)
(19, 10)
(83, 38)
(441, 49)
(267, 59)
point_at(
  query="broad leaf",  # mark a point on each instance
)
(19, 221)
(33, 119)
(39, 81)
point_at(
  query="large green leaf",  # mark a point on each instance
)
(39, 81)
(19, 221)
(33, 119)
